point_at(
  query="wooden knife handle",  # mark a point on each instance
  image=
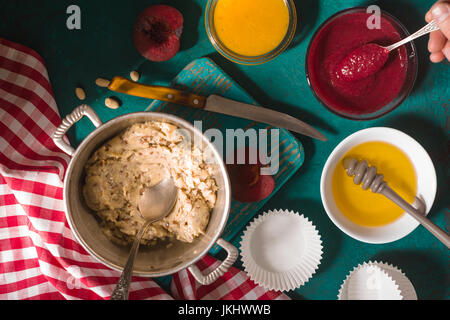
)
(122, 85)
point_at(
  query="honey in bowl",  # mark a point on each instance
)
(249, 27)
(364, 207)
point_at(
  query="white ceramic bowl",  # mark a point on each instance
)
(426, 184)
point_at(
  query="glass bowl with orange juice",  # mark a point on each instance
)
(250, 32)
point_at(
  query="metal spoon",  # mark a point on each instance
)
(432, 26)
(370, 58)
(370, 179)
(155, 204)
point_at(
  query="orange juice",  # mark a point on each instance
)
(364, 207)
(251, 27)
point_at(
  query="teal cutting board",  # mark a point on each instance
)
(204, 77)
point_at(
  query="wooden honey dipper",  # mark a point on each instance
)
(370, 179)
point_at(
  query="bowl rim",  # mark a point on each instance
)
(154, 116)
(250, 60)
(405, 220)
(408, 89)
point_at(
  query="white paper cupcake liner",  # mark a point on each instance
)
(376, 281)
(281, 250)
(404, 284)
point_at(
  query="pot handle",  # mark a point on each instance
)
(221, 269)
(69, 121)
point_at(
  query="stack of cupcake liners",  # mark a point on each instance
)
(376, 281)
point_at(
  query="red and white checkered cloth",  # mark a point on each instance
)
(39, 256)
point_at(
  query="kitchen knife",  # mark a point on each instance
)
(217, 104)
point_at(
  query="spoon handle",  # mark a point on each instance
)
(123, 286)
(370, 179)
(432, 26)
(416, 214)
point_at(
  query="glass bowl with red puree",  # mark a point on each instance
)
(368, 97)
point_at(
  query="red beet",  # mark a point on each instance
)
(157, 32)
(247, 184)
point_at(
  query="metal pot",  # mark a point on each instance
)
(152, 261)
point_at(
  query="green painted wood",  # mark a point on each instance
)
(103, 47)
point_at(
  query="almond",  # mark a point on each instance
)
(79, 92)
(102, 82)
(112, 103)
(134, 75)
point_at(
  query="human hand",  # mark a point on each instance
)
(439, 43)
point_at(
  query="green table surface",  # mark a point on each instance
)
(103, 47)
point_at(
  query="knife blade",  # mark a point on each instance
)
(217, 104)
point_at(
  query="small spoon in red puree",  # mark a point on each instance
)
(370, 58)
(363, 62)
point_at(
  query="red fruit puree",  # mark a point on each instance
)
(363, 62)
(348, 72)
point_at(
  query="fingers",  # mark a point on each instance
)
(446, 50)
(428, 16)
(441, 14)
(438, 44)
(437, 57)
